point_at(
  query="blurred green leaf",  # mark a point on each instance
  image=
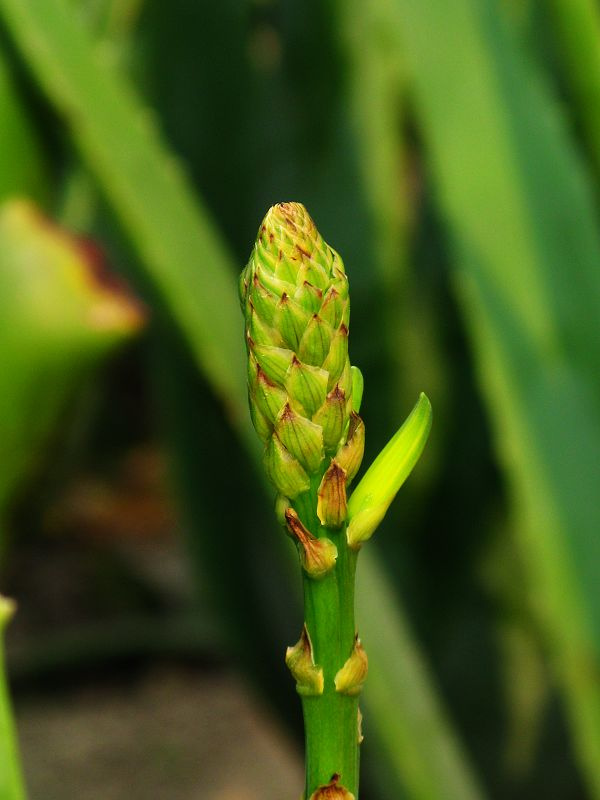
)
(171, 233)
(523, 224)
(422, 753)
(57, 321)
(11, 781)
(575, 26)
(22, 168)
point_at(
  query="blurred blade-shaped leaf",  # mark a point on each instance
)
(58, 318)
(22, 168)
(526, 239)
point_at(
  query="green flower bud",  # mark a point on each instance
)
(351, 677)
(286, 473)
(294, 295)
(318, 556)
(331, 503)
(331, 416)
(300, 662)
(350, 454)
(302, 438)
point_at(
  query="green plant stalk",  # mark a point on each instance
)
(330, 719)
(304, 401)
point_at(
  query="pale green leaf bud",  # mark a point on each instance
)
(371, 498)
(331, 502)
(300, 662)
(351, 677)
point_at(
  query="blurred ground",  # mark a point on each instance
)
(174, 733)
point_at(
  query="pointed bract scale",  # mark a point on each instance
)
(349, 456)
(300, 662)
(243, 287)
(309, 297)
(273, 284)
(306, 385)
(261, 424)
(291, 321)
(263, 301)
(331, 502)
(274, 361)
(345, 384)
(332, 308)
(301, 437)
(260, 332)
(332, 418)
(252, 374)
(270, 398)
(285, 471)
(315, 342)
(351, 677)
(314, 273)
(337, 358)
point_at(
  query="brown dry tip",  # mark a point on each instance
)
(296, 527)
(333, 791)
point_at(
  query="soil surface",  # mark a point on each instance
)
(174, 734)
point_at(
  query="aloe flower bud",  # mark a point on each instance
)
(294, 294)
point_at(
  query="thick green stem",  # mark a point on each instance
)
(330, 719)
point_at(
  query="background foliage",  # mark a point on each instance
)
(451, 155)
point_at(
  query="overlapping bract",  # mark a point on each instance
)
(294, 294)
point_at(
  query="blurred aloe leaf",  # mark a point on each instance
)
(424, 755)
(523, 224)
(11, 781)
(172, 235)
(58, 320)
(143, 182)
(575, 27)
